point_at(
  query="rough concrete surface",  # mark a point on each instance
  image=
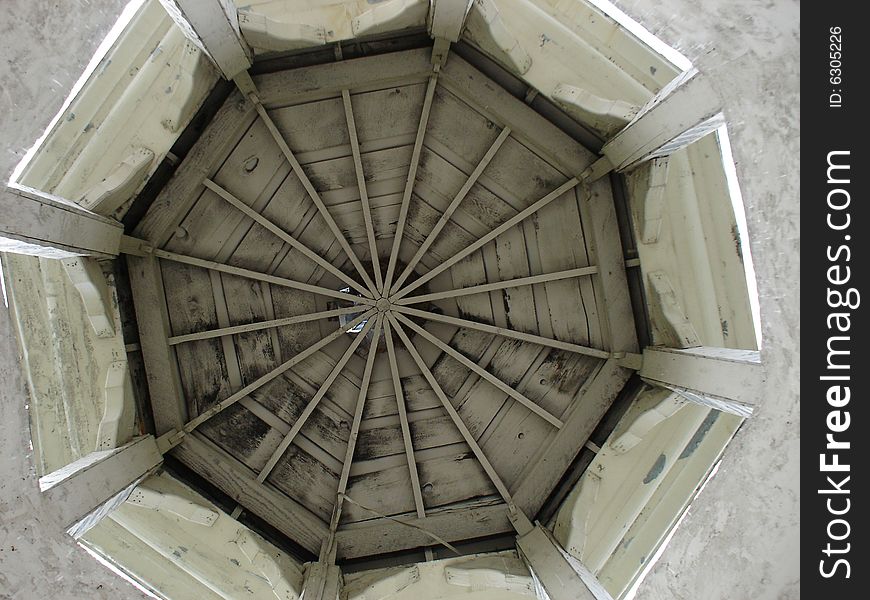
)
(740, 540)
(741, 537)
(45, 47)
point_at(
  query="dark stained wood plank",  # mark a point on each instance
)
(240, 483)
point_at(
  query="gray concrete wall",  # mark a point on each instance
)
(740, 540)
(45, 47)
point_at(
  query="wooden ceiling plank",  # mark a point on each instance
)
(230, 270)
(519, 217)
(500, 285)
(448, 212)
(409, 182)
(593, 400)
(503, 491)
(308, 84)
(257, 384)
(288, 439)
(312, 192)
(328, 550)
(403, 420)
(522, 399)
(361, 183)
(237, 481)
(257, 326)
(509, 333)
(284, 236)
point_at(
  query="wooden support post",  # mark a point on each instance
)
(322, 582)
(213, 25)
(684, 111)
(40, 224)
(446, 22)
(561, 575)
(722, 378)
(83, 487)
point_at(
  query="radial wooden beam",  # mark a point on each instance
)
(403, 420)
(238, 271)
(328, 550)
(517, 335)
(361, 183)
(457, 200)
(503, 491)
(409, 183)
(516, 395)
(312, 404)
(568, 185)
(312, 193)
(257, 326)
(284, 236)
(260, 382)
(499, 285)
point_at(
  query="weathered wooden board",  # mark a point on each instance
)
(457, 523)
(240, 483)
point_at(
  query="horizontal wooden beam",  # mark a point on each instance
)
(41, 224)
(509, 333)
(240, 483)
(213, 25)
(561, 575)
(307, 84)
(722, 378)
(78, 489)
(499, 285)
(452, 524)
(682, 112)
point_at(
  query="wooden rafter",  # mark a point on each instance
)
(451, 208)
(457, 421)
(284, 236)
(327, 552)
(361, 183)
(313, 194)
(499, 285)
(312, 404)
(260, 382)
(521, 216)
(403, 419)
(257, 326)
(409, 183)
(510, 333)
(501, 385)
(230, 270)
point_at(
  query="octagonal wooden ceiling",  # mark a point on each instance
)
(445, 218)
